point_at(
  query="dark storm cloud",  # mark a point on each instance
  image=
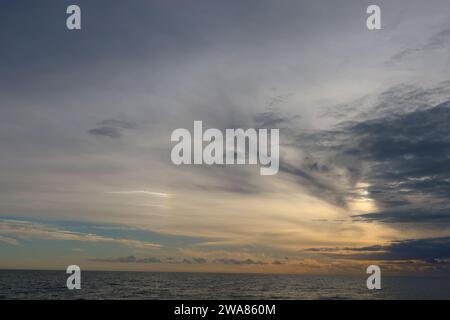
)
(412, 215)
(409, 157)
(402, 153)
(430, 250)
(364, 249)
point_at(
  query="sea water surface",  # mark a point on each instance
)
(20, 284)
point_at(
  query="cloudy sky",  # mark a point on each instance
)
(86, 118)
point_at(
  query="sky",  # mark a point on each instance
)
(86, 118)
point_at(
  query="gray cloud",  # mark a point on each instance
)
(168, 64)
(410, 168)
(195, 261)
(439, 40)
(396, 100)
(408, 215)
(112, 128)
(111, 132)
(239, 262)
(271, 119)
(171, 260)
(430, 250)
(128, 259)
(199, 260)
(318, 181)
(403, 156)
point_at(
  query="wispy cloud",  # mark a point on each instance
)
(142, 192)
(437, 41)
(28, 230)
(10, 241)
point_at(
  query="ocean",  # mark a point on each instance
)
(19, 284)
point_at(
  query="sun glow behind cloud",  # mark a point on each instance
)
(98, 151)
